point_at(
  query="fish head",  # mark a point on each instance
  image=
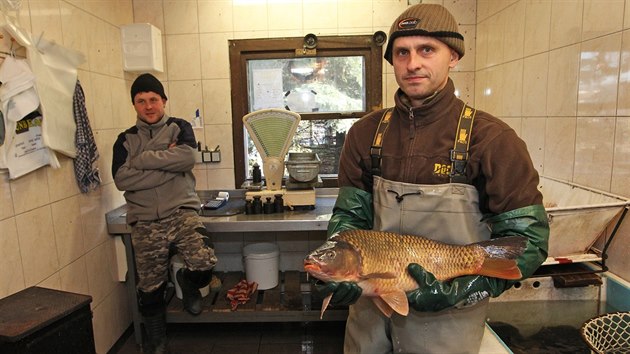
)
(334, 261)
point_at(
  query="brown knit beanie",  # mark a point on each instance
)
(147, 83)
(430, 20)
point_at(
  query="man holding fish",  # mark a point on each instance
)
(435, 214)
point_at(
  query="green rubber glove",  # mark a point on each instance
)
(433, 295)
(344, 293)
(353, 210)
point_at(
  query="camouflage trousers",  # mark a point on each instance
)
(153, 240)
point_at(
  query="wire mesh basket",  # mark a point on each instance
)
(608, 333)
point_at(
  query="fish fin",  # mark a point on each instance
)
(383, 306)
(501, 254)
(397, 301)
(500, 268)
(386, 275)
(508, 247)
(325, 303)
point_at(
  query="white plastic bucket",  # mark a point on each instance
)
(261, 264)
(177, 263)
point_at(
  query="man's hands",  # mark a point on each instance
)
(343, 293)
(433, 295)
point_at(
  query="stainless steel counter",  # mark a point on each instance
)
(296, 220)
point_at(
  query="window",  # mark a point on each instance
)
(331, 86)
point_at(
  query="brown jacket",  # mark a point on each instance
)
(416, 150)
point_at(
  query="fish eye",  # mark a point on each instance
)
(330, 254)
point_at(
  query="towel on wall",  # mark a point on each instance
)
(85, 169)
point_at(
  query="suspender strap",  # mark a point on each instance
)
(377, 144)
(459, 153)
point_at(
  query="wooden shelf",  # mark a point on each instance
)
(290, 301)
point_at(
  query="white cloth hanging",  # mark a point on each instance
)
(23, 150)
(55, 70)
(17, 89)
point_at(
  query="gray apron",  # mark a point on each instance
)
(448, 213)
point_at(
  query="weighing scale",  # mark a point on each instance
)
(272, 131)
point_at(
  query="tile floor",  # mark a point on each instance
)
(247, 338)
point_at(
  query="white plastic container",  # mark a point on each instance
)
(141, 47)
(177, 263)
(261, 264)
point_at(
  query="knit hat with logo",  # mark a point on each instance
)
(430, 20)
(147, 83)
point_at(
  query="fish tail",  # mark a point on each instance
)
(501, 254)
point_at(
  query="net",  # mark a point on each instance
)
(608, 333)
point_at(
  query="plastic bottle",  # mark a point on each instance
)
(197, 120)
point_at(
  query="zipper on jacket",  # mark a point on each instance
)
(412, 135)
(412, 131)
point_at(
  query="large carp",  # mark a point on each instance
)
(377, 261)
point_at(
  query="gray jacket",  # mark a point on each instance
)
(157, 180)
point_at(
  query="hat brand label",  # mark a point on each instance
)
(408, 23)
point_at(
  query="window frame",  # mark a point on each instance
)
(242, 50)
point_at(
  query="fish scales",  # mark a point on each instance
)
(393, 252)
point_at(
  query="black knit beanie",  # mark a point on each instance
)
(147, 83)
(430, 20)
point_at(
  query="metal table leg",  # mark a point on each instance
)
(131, 288)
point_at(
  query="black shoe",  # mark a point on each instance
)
(156, 348)
(155, 341)
(191, 296)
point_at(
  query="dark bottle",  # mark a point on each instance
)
(278, 203)
(256, 176)
(249, 207)
(257, 205)
(268, 207)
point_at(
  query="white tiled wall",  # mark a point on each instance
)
(557, 71)
(51, 235)
(527, 61)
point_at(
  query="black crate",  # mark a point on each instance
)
(39, 320)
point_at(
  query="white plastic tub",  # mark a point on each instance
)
(261, 263)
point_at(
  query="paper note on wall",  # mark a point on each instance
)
(25, 149)
(267, 93)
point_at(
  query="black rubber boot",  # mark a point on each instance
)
(155, 328)
(152, 306)
(190, 282)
